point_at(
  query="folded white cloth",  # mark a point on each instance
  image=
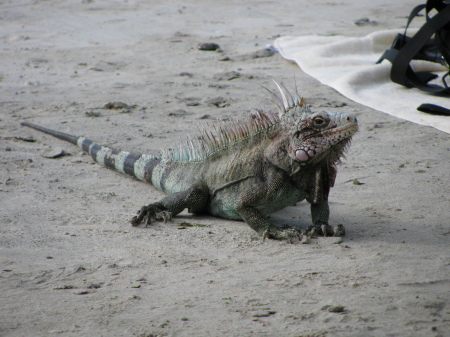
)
(347, 64)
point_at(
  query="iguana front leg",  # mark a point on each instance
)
(194, 199)
(260, 193)
(320, 213)
(324, 177)
(264, 227)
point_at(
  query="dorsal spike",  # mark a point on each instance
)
(289, 97)
(275, 99)
(295, 88)
(283, 96)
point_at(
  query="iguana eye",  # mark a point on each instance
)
(318, 121)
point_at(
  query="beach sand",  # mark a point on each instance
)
(72, 265)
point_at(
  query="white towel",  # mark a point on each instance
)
(347, 64)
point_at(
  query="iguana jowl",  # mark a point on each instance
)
(245, 171)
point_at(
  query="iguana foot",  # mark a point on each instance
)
(320, 229)
(152, 211)
(289, 234)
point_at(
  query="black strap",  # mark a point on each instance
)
(442, 36)
(434, 109)
(405, 49)
(401, 72)
(416, 10)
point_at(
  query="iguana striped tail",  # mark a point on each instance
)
(139, 166)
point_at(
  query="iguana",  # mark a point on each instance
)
(243, 171)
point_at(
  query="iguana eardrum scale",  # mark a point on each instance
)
(246, 170)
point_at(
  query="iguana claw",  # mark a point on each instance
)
(146, 213)
(282, 234)
(339, 230)
(164, 215)
(321, 229)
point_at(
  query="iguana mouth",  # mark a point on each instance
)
(344, 131)
(337, 135)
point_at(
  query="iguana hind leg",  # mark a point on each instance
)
(194, 199)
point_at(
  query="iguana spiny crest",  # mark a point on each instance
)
(313, 135)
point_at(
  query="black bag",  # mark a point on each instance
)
(422, 47)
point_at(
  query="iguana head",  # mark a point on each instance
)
(313, 136)
(321, 134)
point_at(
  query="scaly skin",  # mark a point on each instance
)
(247, 172)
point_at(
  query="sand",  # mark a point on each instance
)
(71, 265)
